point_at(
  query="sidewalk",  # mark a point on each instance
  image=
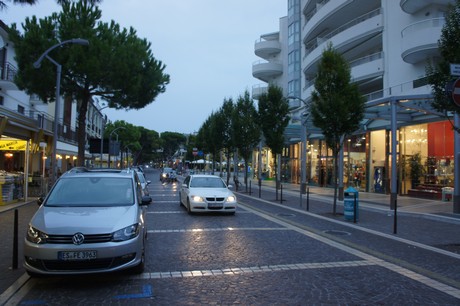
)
(371, 200)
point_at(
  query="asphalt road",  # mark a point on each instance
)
(268, 253)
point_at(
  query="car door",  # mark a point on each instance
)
(184, 190)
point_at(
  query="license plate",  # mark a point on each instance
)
(77, 255)
(215, 205)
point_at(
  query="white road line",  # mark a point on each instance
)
(256, 269)
(351, 225)
(220, 229)
(395, 268)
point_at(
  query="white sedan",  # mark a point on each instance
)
(206, 193)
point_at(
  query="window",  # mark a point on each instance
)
(21, 109)
(293, 7)
(294, 61)
(294, 32)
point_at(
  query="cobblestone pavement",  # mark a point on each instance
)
(270, 253)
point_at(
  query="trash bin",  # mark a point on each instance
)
(351, 195)
(447, 193)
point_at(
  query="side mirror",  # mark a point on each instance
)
(148, 182)
(40, 200)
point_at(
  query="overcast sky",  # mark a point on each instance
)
(207, 46)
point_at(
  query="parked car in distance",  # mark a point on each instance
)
(90, 222)
(144, 183)
(207, 193)
(168, 175)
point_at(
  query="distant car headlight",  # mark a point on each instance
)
(126, 233)
(231, 199)
(36, 236)
(197, 199)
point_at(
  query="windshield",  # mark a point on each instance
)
(207, 182)
(92, 191)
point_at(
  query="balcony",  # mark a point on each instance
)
(267, 71)
(420, 40)
(413, 6)
(367, 67)
(7, 74)
(356, 34)
(259, 89)
(267, 48)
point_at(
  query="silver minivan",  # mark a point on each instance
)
(91, 221)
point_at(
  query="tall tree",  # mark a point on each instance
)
(171, 142)
(149, 141)
(225, 130)
(439, 73)
(337, 106)
(273, 119)
(117, 65)
(246, 129)
(31, 2)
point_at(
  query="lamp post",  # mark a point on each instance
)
(102, 133)
(303, 150)
(37, 65)
(110, 141)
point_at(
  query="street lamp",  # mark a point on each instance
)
(37, 65)
(102, 132)
(110, 141)
(303, 150)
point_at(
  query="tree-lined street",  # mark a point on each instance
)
(271, 253)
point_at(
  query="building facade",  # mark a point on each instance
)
(388, 45)
(27, 131)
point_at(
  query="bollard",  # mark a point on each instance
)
(15, 241)
(308, 199)
(250, 188)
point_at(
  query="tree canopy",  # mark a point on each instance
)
(438, 73)
(117, 66)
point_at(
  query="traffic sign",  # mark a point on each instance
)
(456, 92)
(455, 69)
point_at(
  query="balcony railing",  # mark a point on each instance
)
(314, 43)
(8, 72)
(40, 120)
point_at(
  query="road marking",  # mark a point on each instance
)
(351, 225)
(255, 269)
(393, 267)
(220, 229)
(146, 293)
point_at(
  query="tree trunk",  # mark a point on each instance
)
(81, 132)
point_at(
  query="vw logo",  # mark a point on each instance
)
(78, 238)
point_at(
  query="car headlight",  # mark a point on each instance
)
(126, 233)
(231, 199)
(36, 236)
(197, 199)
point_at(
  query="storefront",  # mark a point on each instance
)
(425, 161)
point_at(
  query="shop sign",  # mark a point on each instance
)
(13, 145)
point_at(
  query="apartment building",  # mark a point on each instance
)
(388, 44)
